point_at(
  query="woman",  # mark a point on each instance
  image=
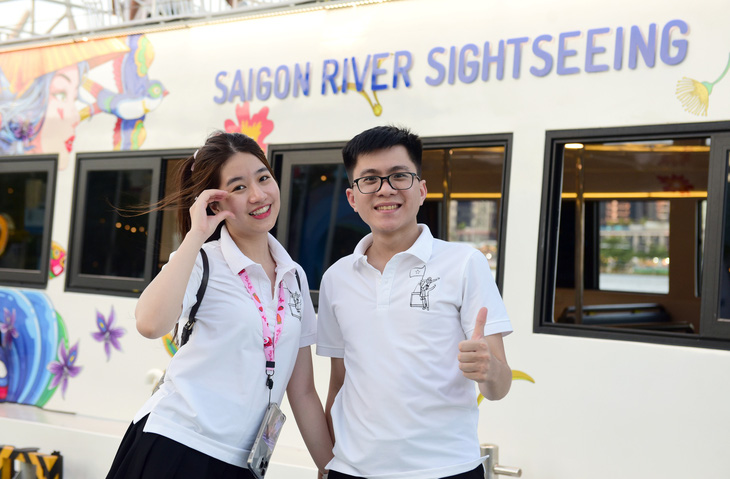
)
(204, 418)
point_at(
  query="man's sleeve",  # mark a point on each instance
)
(329, 336)
(309, 319)
(480, 290)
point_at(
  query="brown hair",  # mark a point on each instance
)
(201, 171)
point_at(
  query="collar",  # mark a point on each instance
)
(421, 249)
(237, 261)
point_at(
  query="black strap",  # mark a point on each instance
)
(185, 335)
(188, 329)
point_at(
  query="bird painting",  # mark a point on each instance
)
(137, 95)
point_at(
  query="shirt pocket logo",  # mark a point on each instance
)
(420, 296)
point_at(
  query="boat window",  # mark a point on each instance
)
(26, 210)
(112, 240)
(465, 178)
(625, 221)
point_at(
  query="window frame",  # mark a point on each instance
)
(29, 164)
(486, 140)
(276, 152)
(708, 336)
(275, 155)
(155, 160)
(718, 181)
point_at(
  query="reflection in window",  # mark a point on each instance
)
(634, 246)
(463, 204)
(22, 216)
(322, 226)
(625, 206)
(114, 244)
(467, 184)
(169, 238)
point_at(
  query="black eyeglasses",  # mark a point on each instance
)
(402, 180)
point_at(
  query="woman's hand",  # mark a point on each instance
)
(200, 221)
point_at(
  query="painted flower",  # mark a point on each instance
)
(64, 368)
(7, 327)
(107, 333)
(694, 95)
(257, 127)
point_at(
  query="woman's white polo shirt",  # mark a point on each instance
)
(214, 395)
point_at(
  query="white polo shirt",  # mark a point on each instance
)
(214, 395)
(405, 410)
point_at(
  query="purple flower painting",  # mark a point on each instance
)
(108, 334)
(64, 368)
(7, 327)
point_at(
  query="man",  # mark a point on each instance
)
(404, 320)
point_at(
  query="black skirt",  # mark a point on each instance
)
(144, 455)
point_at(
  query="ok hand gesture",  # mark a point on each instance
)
(200, 221)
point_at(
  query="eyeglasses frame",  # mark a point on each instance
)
(414, 177)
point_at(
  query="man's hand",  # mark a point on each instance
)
(474, 355)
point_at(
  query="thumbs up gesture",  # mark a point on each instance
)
(475, 357)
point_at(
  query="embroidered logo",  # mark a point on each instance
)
(420, 295)
(295, 304)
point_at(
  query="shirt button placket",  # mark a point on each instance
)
(385, 288)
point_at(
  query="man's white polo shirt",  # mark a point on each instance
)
(214, 396)
(405, 410)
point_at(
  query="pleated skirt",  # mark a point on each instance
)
(144, 455)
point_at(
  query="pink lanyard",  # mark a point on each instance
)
(269, 341)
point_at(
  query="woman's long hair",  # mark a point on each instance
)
(202, 171)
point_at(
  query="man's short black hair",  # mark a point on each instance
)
(382, 138)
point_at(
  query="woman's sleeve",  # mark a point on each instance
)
(309, 319)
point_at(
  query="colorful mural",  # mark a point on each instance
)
(64, 367)
(169, 343)
(34, 354)
(58, 260)
(40, 89)
(695, 95)
(136, 94)
(108, 334)
(257, 127)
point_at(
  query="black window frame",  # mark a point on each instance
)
(712, 335)
(477, 141)
(155, 160)
(29, 164)
(277, 151)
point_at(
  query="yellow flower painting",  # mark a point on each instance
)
(695, 95)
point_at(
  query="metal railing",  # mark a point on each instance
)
(27, 20)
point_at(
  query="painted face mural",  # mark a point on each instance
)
(35, 356)
(45, 93)
(61, 117)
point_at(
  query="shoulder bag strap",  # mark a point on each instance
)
(194, 310)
